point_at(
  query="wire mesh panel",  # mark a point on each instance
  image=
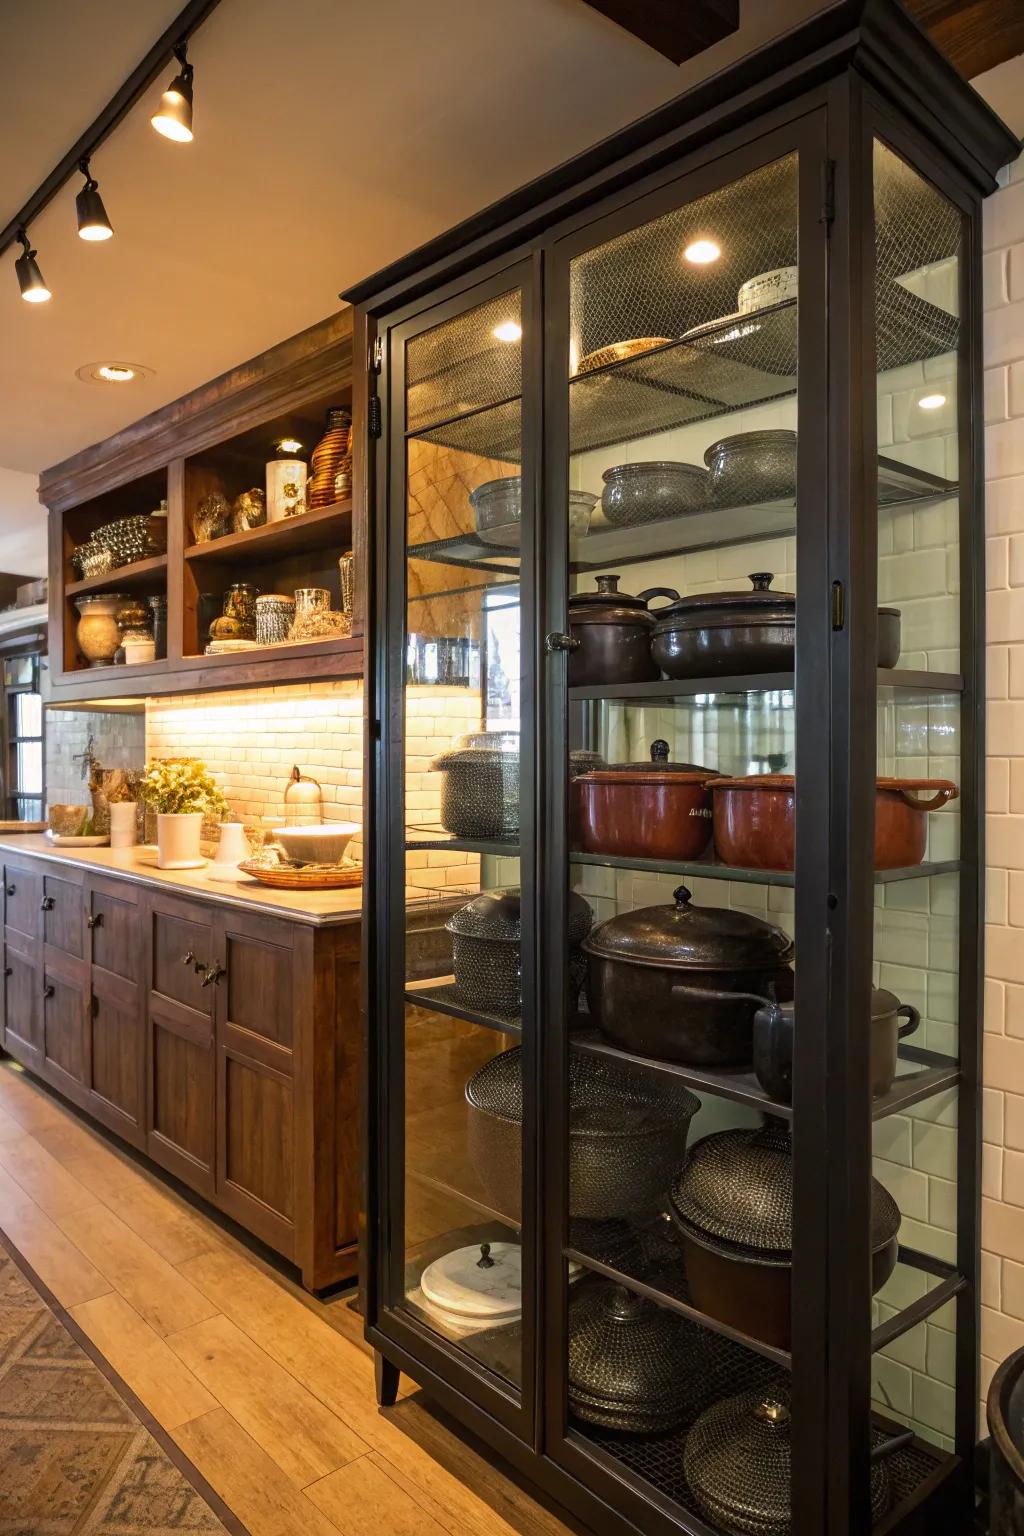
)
(465, 364)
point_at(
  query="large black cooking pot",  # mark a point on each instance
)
(627, 1135)
(1006, 1456)
(730, 633)
(611, 634)
(633, 1366)
(680, 982)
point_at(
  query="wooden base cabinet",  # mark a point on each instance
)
(222, 1043)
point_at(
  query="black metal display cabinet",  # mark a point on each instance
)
(741, 337)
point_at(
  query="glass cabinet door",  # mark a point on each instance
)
(459, 1110)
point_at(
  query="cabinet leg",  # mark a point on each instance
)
(386, 1376)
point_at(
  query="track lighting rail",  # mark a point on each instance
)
(163, 51)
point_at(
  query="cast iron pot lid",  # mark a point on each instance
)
(717, 609)
(688, 937)
(627, 1353)
(484, 1280)
(738, 1464)
(736, 1188)
(658, 769)
(605, 1100)
(496, 916)
(609, 606)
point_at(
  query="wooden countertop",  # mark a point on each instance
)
(320, 908)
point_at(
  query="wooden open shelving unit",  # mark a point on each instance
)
(217, 438)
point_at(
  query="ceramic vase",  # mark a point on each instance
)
(177, 840)
(232, 848)
(123, 823)
(98, 633)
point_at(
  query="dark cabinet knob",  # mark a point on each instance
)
(49, 989)
(8, 970)
(94, 920)
(47, 904)
(188, 958)
(558, 642)
(214, 974)
(10, 889)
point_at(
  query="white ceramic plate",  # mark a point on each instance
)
(59, 840)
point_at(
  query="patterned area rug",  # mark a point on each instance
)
(75, 1457)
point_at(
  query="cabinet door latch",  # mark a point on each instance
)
(373, 416)
(559, 642)
(828, 192)
(838, 605)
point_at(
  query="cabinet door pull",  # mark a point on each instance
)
(559, 642)
(10, 889)
(214, 974)
(94, 920)
(49, 989)
(47, 904)
(8, 970)
(188, 958)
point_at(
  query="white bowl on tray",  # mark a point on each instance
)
(322, 843)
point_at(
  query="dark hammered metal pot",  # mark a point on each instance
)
(732, 1203)
(486, 950)
(480, 789)
(633, 1366)
(773, 1043)
(653, 810)
(627, 1134)
(679, 982)
(730, 633)
(753, 466)
(611, 634)
(1005, 1414)
(738, 1464)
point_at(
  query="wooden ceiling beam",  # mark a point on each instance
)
(677, 28)
(975, 35)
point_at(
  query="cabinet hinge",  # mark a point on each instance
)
(838, 605)
(376, 359)
(828, 192)
(373, 418)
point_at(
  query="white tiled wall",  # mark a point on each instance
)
(118, 741)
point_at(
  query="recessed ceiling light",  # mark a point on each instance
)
(702, 252)
(112, 373)
(931, 402)
(508, 330)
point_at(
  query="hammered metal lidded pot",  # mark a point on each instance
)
(633, 1366)
(480, 788)
(738, 1464)
(486, 950)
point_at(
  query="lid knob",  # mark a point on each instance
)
(624, 1306)
(659, 751)
(761, 580)
(607, 584)
(682, 896)
(771, 1411)
(485, 1261)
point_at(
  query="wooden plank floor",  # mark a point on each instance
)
(268, 1391)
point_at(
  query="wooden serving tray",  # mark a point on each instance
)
(308, 877)
(6, 827)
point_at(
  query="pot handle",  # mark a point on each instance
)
(886, 1448)
(683, 990)
(649, 592)
(913, 1018)
(944, 793)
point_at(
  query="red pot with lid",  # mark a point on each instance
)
(652, 810)
(754, 819)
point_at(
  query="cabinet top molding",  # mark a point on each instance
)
(878, 40)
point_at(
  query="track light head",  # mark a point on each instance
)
(93, 223)
(30, 279)
(174, 119)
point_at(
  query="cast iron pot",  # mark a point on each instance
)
(676, 982)
(738, 1464)
(773, 1043)
(480, 788)
(633, 1366)
(611, 634)
(655, 810)
(732, 1204)
(1005, 1413)
(729, 633)
(486, 956)
(754, 819)
(627, 1134)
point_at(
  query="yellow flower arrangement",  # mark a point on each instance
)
(182, 786)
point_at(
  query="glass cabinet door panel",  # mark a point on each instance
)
(466, 836)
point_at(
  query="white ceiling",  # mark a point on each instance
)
(330, 138)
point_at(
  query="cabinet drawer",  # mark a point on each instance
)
(114, 924)
(179, 943)
(23, 893)
(63, 926)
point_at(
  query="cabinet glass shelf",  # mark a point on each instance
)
(441, 997)
(899, 485)
(713, 871)
(721, 689)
